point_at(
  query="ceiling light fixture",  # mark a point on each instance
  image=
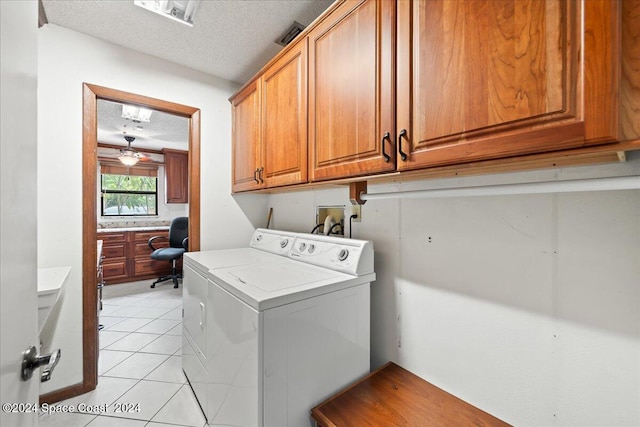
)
(139, 114)
(182, 11)
(128, 159)
(128, 156)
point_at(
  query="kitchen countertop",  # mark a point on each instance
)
(121, 229)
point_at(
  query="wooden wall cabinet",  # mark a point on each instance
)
(439, 86)
(176, 172)
(270, 125)
(482, 79)
(351, 95)
(127, 256)
(245, 110)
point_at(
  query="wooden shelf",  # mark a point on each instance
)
(393, 396)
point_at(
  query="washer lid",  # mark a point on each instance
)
(275, 277)
(223, 258)
(267, 285)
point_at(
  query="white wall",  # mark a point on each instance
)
(525, 306)
(66, 60)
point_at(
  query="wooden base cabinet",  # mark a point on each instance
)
(127, 256)
(115, 250)
(482, 79)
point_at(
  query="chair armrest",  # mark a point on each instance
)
(150, 242)
(185, 243)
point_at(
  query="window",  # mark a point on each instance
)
(128, 191)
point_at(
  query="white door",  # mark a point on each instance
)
(18, 288)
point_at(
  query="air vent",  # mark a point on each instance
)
(290, 34)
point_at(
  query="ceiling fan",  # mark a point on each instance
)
(128, 156)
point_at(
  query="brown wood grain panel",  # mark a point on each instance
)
(393, 396)
(144, 236)
(601, 69)
(141, 249)
(194, 182)
(488, 79)
(89, 246)
(284, 123)
(115, 269)
(118, 250)
(351, 105)
(480, 64)
(144, 267)
(439, 69)
(107, 238)
(630, 83)
(246, 138)
(176, 173)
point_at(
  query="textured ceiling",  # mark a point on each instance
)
(162, 131)
(231, 39)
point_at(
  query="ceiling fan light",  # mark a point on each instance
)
(128, 159)
(136, 113)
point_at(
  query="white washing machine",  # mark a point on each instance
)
(274, 337)
(267, 246)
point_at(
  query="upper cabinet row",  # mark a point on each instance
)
(378, 86)
(270, 125)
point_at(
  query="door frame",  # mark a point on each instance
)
(91, 93)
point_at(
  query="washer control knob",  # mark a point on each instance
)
(302, 246)
(284, 243)
(312, 248)
(343, 254)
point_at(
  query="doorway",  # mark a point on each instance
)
(91, 95)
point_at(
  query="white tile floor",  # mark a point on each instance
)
(140, 363)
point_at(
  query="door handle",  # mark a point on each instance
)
(31, 361)
(255, 175)
(260, 175)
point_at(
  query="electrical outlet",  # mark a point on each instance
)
(357, 210)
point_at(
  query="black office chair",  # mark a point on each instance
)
(178, 245)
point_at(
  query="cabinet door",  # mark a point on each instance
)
(176, 169)
(481, 79)
(246, 138)
(284, 119)
(351, 99)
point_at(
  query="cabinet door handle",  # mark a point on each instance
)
(260, 175)
(255, 176)
(384, 153)
(403, 155)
